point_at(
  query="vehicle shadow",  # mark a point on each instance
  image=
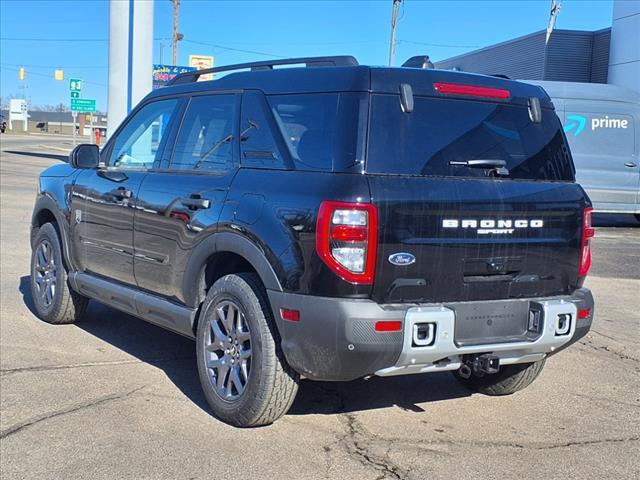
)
(62, 158)
(175, 356)
(618, 220)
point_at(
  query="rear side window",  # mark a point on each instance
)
(205, 140)
(320, 130)
(258, 146)
(440, 131)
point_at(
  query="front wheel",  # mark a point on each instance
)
(509, 379)
(244, 376)
(54, 300)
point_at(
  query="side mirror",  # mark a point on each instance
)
(85, 155)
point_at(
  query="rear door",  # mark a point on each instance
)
(604, 141)
(181, 199)
(449, 232)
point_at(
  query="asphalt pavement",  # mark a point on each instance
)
(115, 397)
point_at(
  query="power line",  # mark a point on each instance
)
(441, 45)
(216, 45)
(56, 66)
(11, 67)
(21, 39)
(24, 39)
(196, 42)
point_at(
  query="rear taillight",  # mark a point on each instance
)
(471, 90)
(347, 241)
(588, 232)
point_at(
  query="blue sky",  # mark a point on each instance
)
(45, 34)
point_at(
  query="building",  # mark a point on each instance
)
(61, 123)
(611, 55)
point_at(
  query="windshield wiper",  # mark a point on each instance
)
(497, 167)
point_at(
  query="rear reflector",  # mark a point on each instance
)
(388, 326)
(584, 313)
(588, 232)
(471, 91)
(344, 233)
(291, 315)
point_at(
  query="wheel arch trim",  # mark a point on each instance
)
(192, 286)
(46, 202)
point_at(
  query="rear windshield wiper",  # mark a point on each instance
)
(497, 167)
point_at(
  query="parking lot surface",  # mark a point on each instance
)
(115, 397)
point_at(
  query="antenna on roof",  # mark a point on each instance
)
(556, 5)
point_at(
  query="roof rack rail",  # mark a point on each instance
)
(419, 61)
(336, 61)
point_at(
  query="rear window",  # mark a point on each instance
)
(320, 130)
(440, 131)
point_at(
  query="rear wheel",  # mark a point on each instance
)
(53, 298)
(508, 380)
(243, 373)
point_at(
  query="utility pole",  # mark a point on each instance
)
(554, 10)
(176, 36)
(392, 42)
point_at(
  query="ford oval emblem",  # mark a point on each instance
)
(402, 259)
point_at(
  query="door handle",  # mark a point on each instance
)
(630, 164)
(195, 203)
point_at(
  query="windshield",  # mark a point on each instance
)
(440, 136)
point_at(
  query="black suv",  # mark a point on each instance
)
(330, 222)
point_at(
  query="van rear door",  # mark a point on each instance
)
(605, 143)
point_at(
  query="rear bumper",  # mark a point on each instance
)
(335, 338)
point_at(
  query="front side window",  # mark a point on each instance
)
(138, 144)
(205, 140)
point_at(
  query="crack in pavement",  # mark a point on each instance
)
(47, 416)
(604, 348)
(522, 446)
(357, 443)
(45, 368)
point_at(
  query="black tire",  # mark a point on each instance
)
(63, 305)
(270, 384)
(508, 380)
(637, 215)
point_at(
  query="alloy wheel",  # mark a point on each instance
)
(228, 350)
(44, 274)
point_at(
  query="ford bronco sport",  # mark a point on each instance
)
(329, 222)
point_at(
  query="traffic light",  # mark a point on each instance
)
(21, 73)
(59, 74)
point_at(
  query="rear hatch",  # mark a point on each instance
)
(449, 231)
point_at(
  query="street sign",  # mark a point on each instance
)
(200, 62)
(162, 74)
(75, 94)
(83, 105)
(75, 85)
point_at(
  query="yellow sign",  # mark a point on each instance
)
(59, 74)
(200, 62)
